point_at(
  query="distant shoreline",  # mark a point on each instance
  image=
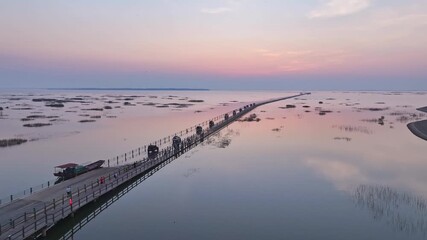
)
(132, 89)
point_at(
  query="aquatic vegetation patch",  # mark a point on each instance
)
(41, 117)
(93, 109)
(12, 142)
(348, 139)
(252, 118)
(46, 100)
(149, 104)
(180, 105)
(374, 109)
(375, 120)
(58, 120)
(22, 108)
(56, 105)
(402, 211)
(191, 171)
(405, 117)
(409, 118)
(349, 104)
(322, 111)
(349, 128)
(288, 106)
(87, 121)
(37, 124)
(27, 119)
(222, 141)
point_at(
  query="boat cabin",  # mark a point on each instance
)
(69, 170)
(61, 169)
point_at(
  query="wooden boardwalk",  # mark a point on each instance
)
(34, 214)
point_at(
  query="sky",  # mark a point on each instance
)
(216, 44)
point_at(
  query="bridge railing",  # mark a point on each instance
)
(123, 166)
(30, 222)
(121, 159)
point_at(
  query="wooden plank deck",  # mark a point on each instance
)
(34, 214)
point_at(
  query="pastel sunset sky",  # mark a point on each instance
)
(217, 44)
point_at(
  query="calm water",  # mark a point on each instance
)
(295, 174)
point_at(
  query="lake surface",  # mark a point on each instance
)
(327, 169)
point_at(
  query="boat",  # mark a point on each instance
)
(71, 170)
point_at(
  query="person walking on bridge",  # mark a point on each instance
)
(68, 191)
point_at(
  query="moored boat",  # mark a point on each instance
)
(71, 170)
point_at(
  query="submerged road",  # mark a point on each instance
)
(419, 128)
(34, 214)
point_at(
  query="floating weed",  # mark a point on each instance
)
(349, 128)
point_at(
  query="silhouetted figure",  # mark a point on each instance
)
(68, 190)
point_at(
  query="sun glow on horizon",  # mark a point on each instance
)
(221, 38)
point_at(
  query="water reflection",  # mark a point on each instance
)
(402, 211)
(222, 139)
(277, 178)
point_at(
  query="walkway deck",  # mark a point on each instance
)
(34, 214)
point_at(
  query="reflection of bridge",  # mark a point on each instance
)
(36, 212)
